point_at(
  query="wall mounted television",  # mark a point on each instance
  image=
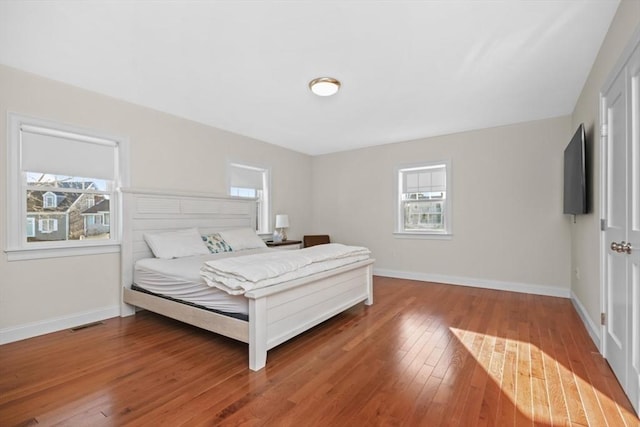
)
(575, 179)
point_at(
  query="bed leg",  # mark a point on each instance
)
(257, 361)
(369, 300)
(126, 309)
(257, 334)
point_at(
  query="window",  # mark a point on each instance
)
(424, 199)
(55, 174)
(93, 220)
(49, 200)
(31, 227)
(252, 182)
(47, 225)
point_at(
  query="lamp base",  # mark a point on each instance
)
(279, 235)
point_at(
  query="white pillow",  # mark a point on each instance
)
(244, 238)
(176, 244)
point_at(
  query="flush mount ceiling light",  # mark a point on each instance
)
(324, 86)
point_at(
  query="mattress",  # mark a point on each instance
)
(180, 279)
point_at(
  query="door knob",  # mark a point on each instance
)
(622, 247)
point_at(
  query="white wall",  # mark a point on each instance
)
(508, 226)
(585, 233)
(166, 152)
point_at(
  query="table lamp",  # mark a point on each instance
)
(282, 222)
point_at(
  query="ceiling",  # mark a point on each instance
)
(409, 69)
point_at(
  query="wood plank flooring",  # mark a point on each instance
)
(424, 354)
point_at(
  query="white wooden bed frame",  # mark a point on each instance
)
(276, 313)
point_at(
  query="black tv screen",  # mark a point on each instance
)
(575, 181)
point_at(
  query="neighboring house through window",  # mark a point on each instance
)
(424, 199)
(252, 182)
(97, 219)
(56, 173)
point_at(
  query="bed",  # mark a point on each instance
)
(275, 313)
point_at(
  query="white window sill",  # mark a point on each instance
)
(58, 252)
(418, 235)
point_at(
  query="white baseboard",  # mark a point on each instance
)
(589, 324)
(476, 283)
(29, 330)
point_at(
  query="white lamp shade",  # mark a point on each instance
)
(282, 221)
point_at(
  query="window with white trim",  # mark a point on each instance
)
(47, 225)
(424, 199)
(55, 172)
(252, 182)
(49, 200)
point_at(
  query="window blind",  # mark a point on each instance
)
(424, 180)
(242, 177)
(63, 153)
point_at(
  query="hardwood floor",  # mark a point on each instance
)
(423, 355)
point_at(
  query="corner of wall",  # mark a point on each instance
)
(592, 328)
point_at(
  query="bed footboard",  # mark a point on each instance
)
(279, 313)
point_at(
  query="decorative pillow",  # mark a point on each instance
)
(216, 243)
(244, 238)
(176, 244)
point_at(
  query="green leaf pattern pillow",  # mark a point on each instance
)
(216, 244)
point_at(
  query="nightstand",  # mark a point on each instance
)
(287, 244)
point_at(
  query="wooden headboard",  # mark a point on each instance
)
(146, 211)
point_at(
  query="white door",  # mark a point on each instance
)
(620, 116)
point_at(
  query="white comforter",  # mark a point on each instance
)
(241, 274)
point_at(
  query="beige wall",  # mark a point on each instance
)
(166, 152)
(508, 224)
(585, 234)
